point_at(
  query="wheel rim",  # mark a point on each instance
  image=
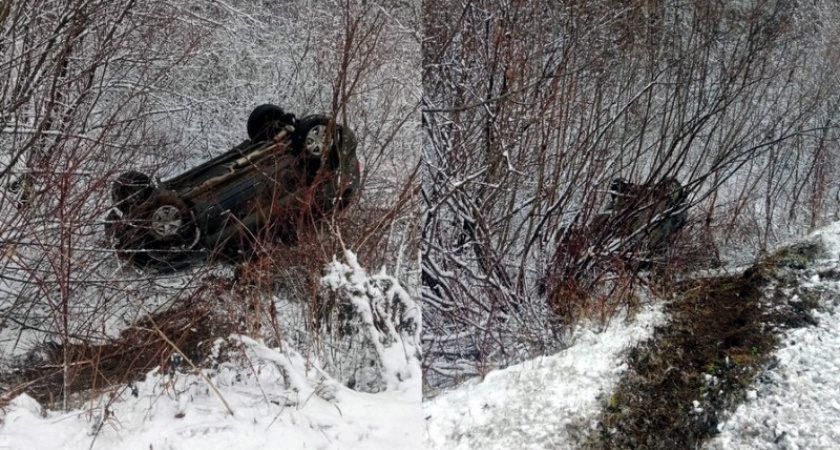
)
(18, 188)
(166, 221)
(14, 187)
(130, 187)
(316, 139)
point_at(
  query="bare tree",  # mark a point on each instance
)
(530, 114)
(97, 88)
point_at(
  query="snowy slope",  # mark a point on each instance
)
(252, 410)
(546, 403)
(251, 396)
(796, 403)
(552, 402)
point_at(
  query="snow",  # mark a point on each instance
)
(379, 299)
(543, 403)
(182, 412)
(187, 411)
(252, 395)
(794, 404)
(281, 398)
(554, 401)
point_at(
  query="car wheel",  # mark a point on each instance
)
(21, 189)
(166, 220)
(311, 136)
(160, 233)
(129, 189)
(266, 121)
(112, 223)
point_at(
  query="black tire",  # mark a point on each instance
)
(21, 189)
(159, 234)
(129, 189)
(312, 135)
(266, 121)
(112, 222)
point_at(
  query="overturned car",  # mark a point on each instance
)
(633, 233)
(290, 172)
(637, 227)
(644, 218)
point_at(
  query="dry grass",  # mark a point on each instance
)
(54, 371)
(694, 370)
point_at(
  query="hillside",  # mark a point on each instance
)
(739, 360)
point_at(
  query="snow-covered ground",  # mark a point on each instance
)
(250, 410)
(796, 404)
(279, 400)
(546, 403)
(253, 396)
(553, 402)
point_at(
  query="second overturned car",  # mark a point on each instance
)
(290, 172)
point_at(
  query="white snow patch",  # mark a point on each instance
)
(183, 412)
(794, 405)
(546, 403)
(264, 398)
(379, 299)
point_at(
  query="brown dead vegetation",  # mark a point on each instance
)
(683, 381)
(177, 337)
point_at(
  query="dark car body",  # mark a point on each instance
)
(645, 217)
(263, 189)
